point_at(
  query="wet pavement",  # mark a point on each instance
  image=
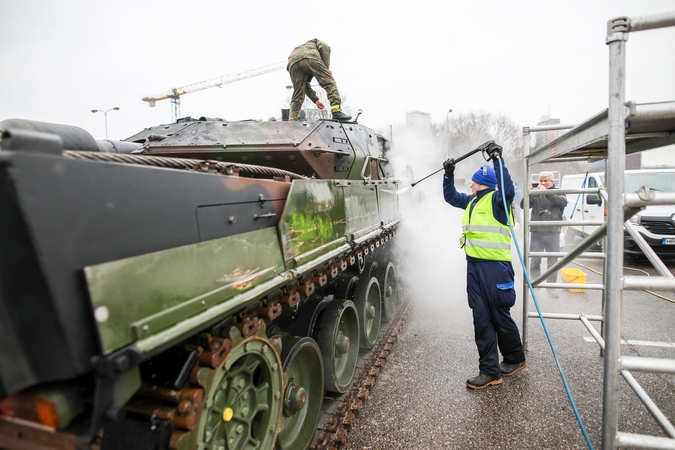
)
(420, 400)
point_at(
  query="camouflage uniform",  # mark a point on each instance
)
(307, 61)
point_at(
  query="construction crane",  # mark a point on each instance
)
(175, 93)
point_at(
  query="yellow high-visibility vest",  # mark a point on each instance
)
(483, 236)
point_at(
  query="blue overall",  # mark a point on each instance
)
(490, 287)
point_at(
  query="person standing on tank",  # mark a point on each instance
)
(307, 61)
(491, 293)
(517, 208)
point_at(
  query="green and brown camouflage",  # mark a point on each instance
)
(312, 49)
(307, 61)
(324, 149)
(187, 239)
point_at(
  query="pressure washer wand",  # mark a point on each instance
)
(481, 148)
(431, 174)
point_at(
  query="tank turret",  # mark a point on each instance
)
(324, 150)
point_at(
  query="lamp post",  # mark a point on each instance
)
(447, 124)
(105, 114)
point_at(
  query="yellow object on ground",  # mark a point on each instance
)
(573, 276)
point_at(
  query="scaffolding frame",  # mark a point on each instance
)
(624, 128)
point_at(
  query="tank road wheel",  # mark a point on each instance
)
(338, 339)
(345, 286)
(243, 402)
(371, 269)
(368, 303)
(387, 279)
(304, 392)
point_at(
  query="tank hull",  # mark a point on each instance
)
(114, 265)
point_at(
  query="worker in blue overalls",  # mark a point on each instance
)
(486, 239)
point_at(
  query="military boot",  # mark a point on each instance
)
(510, 369)
(342, 117)
(482, 381)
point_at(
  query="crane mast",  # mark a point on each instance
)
(175, 93)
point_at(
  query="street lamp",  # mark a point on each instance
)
(447, 124)
(105, 114)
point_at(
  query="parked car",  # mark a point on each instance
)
(656, 224)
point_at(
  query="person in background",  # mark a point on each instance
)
(516, 203)
(545, 239)
(307, 61)
(486, 240)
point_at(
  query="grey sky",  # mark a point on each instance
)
(60, 59)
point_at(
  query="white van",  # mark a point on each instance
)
(655, 223)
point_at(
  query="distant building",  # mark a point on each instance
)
(417, 119)
(543, 137)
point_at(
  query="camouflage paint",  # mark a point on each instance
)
(324, 150)
(137, 297)
(321, 215)
(314, 217)
(387, 199)
(361, 208)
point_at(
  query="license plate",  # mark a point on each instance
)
(668, 241)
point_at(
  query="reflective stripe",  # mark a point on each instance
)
(335, 107)
(486, 228)
(484, 237)
(484, 244)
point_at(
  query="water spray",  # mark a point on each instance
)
(481, 148)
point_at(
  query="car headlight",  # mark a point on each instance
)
(635, 220)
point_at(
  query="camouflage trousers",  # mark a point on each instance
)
(302, 73)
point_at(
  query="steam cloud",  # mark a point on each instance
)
(432, 267)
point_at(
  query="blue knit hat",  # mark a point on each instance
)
(485, 176)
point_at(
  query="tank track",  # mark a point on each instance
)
(335, 430)
(182, 408)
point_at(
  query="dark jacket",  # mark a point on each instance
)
(547, 207)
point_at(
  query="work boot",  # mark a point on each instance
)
(482, 381)
(510, 369)
(342, 117)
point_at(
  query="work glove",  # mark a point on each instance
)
(449, 166)
(494, 151)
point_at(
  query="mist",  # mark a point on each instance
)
(432, 266)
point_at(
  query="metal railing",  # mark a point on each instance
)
(621, 206)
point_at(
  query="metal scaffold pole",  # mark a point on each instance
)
(617, 35)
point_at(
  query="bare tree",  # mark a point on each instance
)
(465, 131)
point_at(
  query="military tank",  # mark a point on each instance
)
(200, 284)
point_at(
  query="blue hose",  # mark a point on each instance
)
(536, 304)
(576, 202)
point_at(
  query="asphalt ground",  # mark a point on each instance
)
(420, 400)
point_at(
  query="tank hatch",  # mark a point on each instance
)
(323, 149)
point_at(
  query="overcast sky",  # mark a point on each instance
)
(61, 59)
